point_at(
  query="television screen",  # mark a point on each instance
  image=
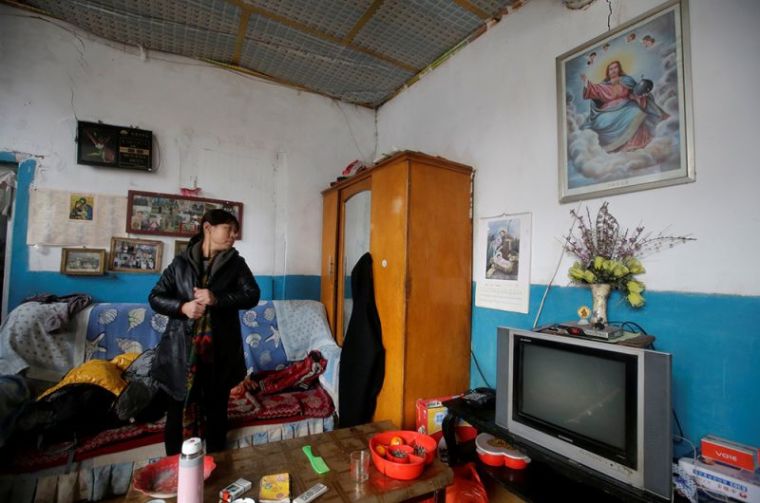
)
(602, 405)
(591, 403)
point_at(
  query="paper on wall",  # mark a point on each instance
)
(53, 222)
(503, 267)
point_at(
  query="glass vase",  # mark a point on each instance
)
(599, 294)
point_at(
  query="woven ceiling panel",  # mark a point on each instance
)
(314, 63)
(416, 32)
(194, 28)
(335, 18)
(305, 43)
(492, 7)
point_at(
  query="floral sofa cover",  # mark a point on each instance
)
(274, 333)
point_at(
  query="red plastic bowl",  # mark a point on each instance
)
(416, 464)
(490, 459)
(159, 479)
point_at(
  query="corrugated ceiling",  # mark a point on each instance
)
(359, 51)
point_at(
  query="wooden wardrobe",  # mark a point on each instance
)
(419, 230)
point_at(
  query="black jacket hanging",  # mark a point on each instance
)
(362, 360)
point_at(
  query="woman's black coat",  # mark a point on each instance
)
(362, 359)
(234, 287)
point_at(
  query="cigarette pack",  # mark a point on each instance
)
(234, 490)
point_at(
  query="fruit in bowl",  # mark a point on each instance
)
(399, 453)
(420, 450)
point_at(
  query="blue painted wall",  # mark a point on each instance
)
(112, 287)
(712, 339)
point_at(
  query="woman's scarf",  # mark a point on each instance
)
(201, 347)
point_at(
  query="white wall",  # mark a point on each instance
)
(271, 147)
(493, 106)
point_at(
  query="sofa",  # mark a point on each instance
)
(274, 334)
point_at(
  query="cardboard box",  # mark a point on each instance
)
(430, 415)
(734, 483)
(729, 453)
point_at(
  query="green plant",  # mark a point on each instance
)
(608, 254)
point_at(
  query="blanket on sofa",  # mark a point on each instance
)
(39, 338)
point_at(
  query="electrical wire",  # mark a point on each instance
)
(480, 371)
(609, 15)
(556, 270)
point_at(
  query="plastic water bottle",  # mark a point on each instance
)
(190, 483)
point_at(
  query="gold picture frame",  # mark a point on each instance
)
(135, 255)
(83, 261)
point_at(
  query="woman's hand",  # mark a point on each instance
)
(204, 296)
(193, 309)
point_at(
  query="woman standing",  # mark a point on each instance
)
(200, 356)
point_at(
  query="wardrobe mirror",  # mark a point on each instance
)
(356, 225)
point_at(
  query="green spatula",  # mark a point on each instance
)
(317, 463)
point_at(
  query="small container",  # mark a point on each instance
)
(190, 484)
(399, 453)
(496, 452)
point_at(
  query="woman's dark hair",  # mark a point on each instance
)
(218, 217)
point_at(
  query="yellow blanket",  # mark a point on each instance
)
(106, 374)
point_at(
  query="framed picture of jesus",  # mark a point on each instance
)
(624, 108)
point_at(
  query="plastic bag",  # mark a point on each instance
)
(466, 488)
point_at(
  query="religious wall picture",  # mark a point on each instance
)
(83, 261)
(135, 255)
(172, 215)
(502, 262)
(624, 108)
(81, 207)
(503, 249)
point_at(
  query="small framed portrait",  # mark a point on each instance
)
(135, 255)
(83, 261)
(180, 245)
(81, 207)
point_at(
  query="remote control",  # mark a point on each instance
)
(315, 491)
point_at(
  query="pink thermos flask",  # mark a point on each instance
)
(190, 484)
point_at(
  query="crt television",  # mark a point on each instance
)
(601, 405)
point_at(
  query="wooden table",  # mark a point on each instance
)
(286, 456)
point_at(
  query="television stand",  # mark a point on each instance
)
(548, 477)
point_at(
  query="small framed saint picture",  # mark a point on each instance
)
(136, 255)
(83, 261)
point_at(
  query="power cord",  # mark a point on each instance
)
(477, 365)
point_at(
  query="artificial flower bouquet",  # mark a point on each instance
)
(610, 255)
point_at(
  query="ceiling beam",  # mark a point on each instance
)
(304, 28)
(465, 4)
(240, 40)
(363, 20)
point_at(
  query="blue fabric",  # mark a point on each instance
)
(261, 338)
(114, 329)
(121, 327)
